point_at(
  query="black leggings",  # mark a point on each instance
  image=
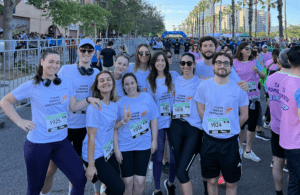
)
(186, 141)
(109, 174)
(76, 137)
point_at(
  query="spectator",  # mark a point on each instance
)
(96, 61)
(107, 56)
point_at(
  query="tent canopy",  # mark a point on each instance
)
(244, 35)
(173, 33)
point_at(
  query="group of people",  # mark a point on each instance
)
(118, 118)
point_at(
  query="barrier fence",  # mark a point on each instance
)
(19, 59)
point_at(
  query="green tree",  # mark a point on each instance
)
(213, 3)
(202, 6)
(270, 4)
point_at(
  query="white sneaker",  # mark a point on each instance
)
(102, 189)
(150, 165)
(251, 156)
(264, 118)
(267, 126)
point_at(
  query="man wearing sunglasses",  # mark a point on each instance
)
(107, 55)
(204, 68)
(220, 100)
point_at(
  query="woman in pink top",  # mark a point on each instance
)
(249, 69)
(273, 63)
(195, 51)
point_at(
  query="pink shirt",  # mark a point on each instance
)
(219, 48)
(266, 57)
(245, 72)
(199, 60)
(197, 55)
(273, 83)
(289, 91)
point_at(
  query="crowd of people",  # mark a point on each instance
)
(122, 116)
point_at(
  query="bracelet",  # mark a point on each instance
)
(122, 121)
(87, 100)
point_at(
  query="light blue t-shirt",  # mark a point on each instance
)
(174, 75)
(143, 109)
(120, 91)
(104, 121)
(222, 103)
(207, 71)
(81, 84)
(97, 48)
(49, 108)
(141, 77)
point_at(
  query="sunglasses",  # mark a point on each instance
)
(182, 63)
(169, 56)
(226, 63)
(247, 48)
(147, 53)
(86, 50)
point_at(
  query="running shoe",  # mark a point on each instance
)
(150, 166)
(285, 168)
(272, 163)
(262, 136)
(165, 167)
(157, 193)
(221, 180)
(244, 143)
(267, 125)
(170, 189)
(103, 188)
(264, 118)
(251, 156)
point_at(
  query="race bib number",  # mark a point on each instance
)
(56, 122)
(80, 112)
(251, 86)
(108, 150)
(182, 110)
(139, 128)
(218, 126)
(165, 109)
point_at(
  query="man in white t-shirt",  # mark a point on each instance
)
(223, 108)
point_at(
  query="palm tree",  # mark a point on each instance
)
(220, 17)
(244, 5)
(202, 6)
(285, 24)
(213, 2)
(279, 4)
(250, 17)
(271, 4)
(238, 7)
(232, 17)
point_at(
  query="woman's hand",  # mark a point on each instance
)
(26, 125)
(119, 156)
(95, 101)
(127, 114)
(90, 172)
(153, 147)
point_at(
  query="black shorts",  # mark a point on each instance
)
(135, 163)
(76, 136)
(176, 51)
(277, 150)
(186, 50)
(253, 117)
(221, 155)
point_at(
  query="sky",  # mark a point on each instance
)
(176, 11)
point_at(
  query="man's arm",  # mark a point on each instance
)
(243, 115)
(201, 109)
(101, 56)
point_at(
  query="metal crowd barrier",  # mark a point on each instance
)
(19, 59)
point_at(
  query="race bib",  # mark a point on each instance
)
(165, 109)
(80, 112)
(108, 150)
(139, 128)
(56, 122)
(218, 126)
(251, 86)
(181, 110)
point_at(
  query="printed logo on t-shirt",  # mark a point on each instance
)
(144, 89)
(143, 113)
(189, 98)
(228, 110)
(64, 98)
(173, 94)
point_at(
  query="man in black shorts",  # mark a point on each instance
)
(187, 45)
(177, 45)
(220, 100)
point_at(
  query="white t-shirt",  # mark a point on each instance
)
(81, 85)
(49, 108)
(185, 91)
(141, 77)
(164, 101)
(120, 92)
(136, 134)
(104, 121)
(207, 71)
(174, 75)
(222, 103)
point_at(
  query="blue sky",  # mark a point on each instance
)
(176, 11)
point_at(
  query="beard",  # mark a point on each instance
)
(208, 57)
(222, 75)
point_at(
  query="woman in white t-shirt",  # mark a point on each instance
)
(170, 60)
(135, 141)
(161, 88)
(97, 149)
(121, 65)
(50, 97)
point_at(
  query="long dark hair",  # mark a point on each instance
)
(96, 92)
(190, 55)
(39, 73)
(136, 56)
(275, 55)
(239, 55)
(153, 72)
(130, 74)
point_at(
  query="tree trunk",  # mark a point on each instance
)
(285, 24)
(214, 25)
(106, 32)
(232, 18)
(269, 20)
(279, 7)
(119, 29)
(198, 23)
(244, 16)
(220, 17)
(203, 24)
(256, 2)
(230, 27)
(250, 17)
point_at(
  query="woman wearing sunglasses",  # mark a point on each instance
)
(141, 66)
(51, 98)
(161, 88)
(250, 70)
(136, 140)
(170, 60)
(186, 130)
(195, 51)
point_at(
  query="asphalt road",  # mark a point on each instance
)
(256, 177)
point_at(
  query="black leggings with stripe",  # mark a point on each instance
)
(186, 142)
